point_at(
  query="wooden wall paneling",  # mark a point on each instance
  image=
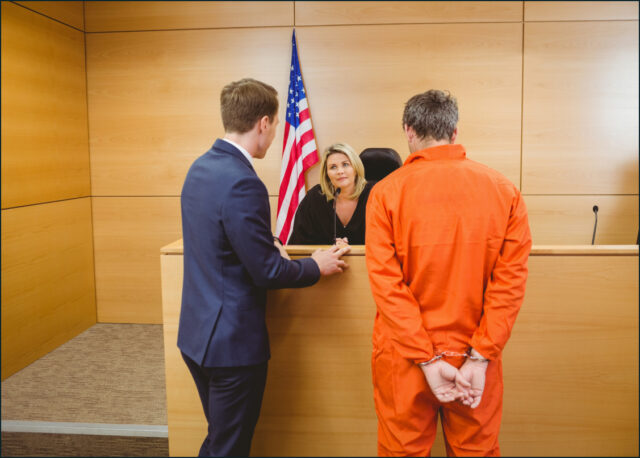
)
(154, 102)
(358, 79)
(580, 109)
(579, 323)
(127, 16)
(391, 12)
(45, 154)
(70, 12)
(580, 11)
(273, 204)
(128, 233)
(568, 220)
(48, 289)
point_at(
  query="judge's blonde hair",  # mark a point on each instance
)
(325, 183)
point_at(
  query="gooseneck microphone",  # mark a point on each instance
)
(335, 213)
(595, 211)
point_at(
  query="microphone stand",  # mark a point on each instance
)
(335, 214)
(595, 211)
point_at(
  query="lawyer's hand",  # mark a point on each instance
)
(445, 381)
(340, 242)
(329, 261)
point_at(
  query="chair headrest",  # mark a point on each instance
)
(379, 162)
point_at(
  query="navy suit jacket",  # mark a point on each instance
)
(230, 261)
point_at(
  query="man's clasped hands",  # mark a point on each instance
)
(449, 384)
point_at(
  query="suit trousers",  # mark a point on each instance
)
(231, 399)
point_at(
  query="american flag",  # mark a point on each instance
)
(299, 151)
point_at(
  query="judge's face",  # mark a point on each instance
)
(341, 173)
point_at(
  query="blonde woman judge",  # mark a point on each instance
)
(342, 189)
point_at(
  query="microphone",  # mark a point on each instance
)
(595, 211)
(335, 213)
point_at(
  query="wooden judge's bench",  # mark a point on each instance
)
(570, 367)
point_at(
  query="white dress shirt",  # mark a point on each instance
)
(242, 150)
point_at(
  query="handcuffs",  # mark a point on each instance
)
(452, 353)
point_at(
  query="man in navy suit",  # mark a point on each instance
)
(230, 260)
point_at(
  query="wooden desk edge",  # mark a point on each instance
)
(537, 250)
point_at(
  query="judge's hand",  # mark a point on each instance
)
(474, 372)
(445, 381)
(329, 261)
(340, 242)
(280, 248)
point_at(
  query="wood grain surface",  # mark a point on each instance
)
(569, 220)
(319, 400)
(580, 11)
(135, 16)
(154, 102)
(69, 12)
(386, 12)
(580, 113)
(48, 289)
(127, 232)
(45, 149)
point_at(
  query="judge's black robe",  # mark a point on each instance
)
(313, 223)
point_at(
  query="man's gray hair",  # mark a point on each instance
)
(432, 114)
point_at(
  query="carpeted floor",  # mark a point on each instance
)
(111, 373)
(35, 444)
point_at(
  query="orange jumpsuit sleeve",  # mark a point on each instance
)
(504, 293)
(395, 302)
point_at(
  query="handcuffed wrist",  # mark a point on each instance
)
(477, 356)
(432, 360)
(478, 359)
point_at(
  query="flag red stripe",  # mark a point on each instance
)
(293, 207)
(284, 181)
(304, 115)
(293, 155)
(307, 137)
(293, 158)
(310, 160)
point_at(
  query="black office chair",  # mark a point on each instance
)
(379, 162)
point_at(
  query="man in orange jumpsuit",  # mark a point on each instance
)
(447, 243)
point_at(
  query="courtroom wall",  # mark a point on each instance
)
(548, 95)
(48, 285)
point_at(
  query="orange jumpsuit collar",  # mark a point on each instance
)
(438, 152)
